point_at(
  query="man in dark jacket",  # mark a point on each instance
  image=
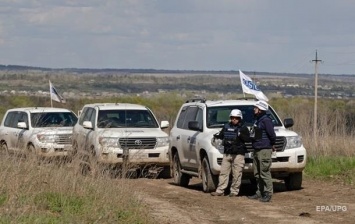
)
(234, 134)
(263, 138)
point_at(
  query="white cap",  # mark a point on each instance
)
(262, 105)
(236, 113)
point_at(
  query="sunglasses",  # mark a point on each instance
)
(235, 118)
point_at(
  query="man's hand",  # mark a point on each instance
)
(273, 148)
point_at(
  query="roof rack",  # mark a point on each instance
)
(247, 98)
(202, 100)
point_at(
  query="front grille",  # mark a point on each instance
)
(63, 139)
(137, 143)
(279, 144)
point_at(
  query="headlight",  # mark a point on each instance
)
(108, 142)
(47, 138)
(217, 143)
(293, 142)
(162, 141)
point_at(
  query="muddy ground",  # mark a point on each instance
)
(316, 202)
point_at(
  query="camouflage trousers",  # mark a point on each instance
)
(234, 163)
(262, 163)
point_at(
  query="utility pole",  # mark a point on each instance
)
(316, 61)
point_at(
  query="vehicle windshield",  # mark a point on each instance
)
(53, 119)
(218, 116)
(126, 118)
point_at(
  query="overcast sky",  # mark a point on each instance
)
(251, 35)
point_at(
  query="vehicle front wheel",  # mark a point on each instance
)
(3, 147)
(294, 181)
(209, 181)
(180, 178)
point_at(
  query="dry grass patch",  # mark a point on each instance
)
(53, 192)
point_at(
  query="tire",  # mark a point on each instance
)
(209, 181)
(165, 173)
(3, 148)
(294, 181)
(180, 179)
(87, 163)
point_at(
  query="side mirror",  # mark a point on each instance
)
(164, 124)
(87, 124)
(22, 125)
(288, 122)
(194, 125)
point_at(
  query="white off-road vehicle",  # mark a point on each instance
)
(194, 153)
(47, 131)
(120, 133)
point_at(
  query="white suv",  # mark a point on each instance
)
(193, 152)
(44, 130)
(110, 132)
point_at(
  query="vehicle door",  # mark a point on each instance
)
(188, 139)
(23, 134)
(81, 133)
(176, 131)
(9, 130)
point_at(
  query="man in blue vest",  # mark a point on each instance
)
(263, 139)
(234, 134)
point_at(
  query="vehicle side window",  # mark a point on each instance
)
(84, 115)
(9, 120)
(23, 117)
(93, 117)
(181, 118)
(190, 116)
(199, 118)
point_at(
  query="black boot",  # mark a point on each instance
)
(255, 197)
(265, 198)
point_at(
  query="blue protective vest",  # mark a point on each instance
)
(261, 140)
(231, 141)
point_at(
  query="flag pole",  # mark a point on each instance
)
(50, 93)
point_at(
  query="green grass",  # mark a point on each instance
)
(337, 168)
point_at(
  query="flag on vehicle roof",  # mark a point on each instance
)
(54, 94)
(250, 87)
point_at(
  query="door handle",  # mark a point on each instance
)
(188, 139)
(178, 137)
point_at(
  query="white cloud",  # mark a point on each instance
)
(252, 35)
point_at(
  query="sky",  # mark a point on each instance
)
(219, 35)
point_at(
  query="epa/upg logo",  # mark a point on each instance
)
(331, 208)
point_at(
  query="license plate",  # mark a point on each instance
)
(140, 156)
(67, 148)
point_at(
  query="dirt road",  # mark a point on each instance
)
(316, 202)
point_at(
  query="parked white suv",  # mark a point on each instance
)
(193, 152)
(46, 131)
(110, 132)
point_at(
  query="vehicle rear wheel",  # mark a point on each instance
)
(181, 179)
(209, 181)
(293, 181)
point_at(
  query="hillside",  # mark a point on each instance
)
(76, 82)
